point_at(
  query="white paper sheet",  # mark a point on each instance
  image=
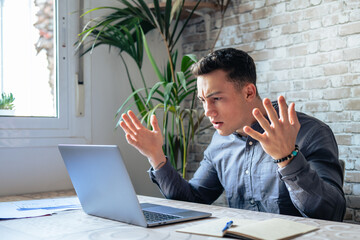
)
(35, 208)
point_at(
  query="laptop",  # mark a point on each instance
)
(104, 188)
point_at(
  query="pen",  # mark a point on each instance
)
(228, 225)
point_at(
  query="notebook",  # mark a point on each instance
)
(273, 228)
(104, 188)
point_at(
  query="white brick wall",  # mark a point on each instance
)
(306, 50)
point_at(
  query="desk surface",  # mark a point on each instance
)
(76, 225)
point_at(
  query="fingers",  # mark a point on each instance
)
(271, 112)
(283, 109)
(154, 123)
(288, 118)
(128, 125)
(254, 134)
(136, 122)
(130, 140)
(132, 122)
(261, 120)
(293, 117)
(125, 128)
(280, 133)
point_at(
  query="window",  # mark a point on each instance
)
(27, 56)
(39, 67)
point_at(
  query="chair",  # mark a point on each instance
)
(342, 164)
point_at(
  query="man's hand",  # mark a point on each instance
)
(279, 137)
(147, 142)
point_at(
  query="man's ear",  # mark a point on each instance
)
(249, 91)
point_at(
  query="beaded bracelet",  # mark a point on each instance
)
(292, 154)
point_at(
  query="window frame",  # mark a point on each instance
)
(67, 127)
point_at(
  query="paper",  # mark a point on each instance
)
(34, 208)
(214, 227)
(271, 229)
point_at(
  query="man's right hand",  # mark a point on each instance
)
(147, 142)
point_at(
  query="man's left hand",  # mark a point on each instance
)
(279, 137)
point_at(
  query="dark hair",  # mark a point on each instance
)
(238, 64)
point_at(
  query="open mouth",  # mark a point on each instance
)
(217, 125)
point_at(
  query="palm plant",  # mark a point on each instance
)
(125, 28)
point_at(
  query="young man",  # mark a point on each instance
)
(266, 156)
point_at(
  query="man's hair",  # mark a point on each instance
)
(240, 67)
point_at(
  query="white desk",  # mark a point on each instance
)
(76, 225)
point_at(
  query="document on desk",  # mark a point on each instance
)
(35, 208)
(274, 228)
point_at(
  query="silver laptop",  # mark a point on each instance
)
(104, 188)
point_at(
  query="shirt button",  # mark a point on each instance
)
(247, 172)
(250, 143)
(289, 189)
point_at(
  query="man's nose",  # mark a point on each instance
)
(209, 110)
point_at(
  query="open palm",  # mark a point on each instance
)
(147, 142)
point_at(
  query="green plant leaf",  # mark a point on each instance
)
(159, 15)
(167, 18)
(153, 90)
(151, 58)
(187, 61)
(150, 112)
(182, 79)
(167, 93)
(127, 100)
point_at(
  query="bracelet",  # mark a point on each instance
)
(292, 154)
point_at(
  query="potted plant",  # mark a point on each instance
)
(125, 28)
(7, 104)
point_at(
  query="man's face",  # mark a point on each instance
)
(226, 106)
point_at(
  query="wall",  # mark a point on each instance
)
(306, 50)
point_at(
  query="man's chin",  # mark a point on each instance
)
(223, 133)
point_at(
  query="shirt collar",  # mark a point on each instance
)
(256, 126)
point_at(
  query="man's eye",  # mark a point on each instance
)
(217, 99)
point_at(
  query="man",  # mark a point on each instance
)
(266, 156)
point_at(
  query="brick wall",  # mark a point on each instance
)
(306, 50)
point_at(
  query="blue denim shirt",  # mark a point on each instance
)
(309, 186)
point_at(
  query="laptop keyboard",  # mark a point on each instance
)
(152, 217)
